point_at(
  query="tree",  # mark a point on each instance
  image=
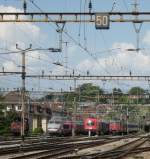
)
(119, 96)
(123, 99)
(87, 92)
(1, 106)
(137, 91)
(5, 120)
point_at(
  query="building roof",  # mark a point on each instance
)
(14, 97)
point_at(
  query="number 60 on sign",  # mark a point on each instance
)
(102, 21)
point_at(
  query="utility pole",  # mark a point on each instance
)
(74, 111)
(23, 89)
(66, 58)
(74, 117)
(137, 26)
(121, 119)
(98, 96)
(60, 28)
(127, 117)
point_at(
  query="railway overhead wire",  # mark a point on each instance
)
(90, 77)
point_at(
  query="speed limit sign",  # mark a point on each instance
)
(102, 21)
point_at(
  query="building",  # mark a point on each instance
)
(38, 113)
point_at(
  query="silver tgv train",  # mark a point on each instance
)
(55, 125)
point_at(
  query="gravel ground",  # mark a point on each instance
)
(144, 155)
(105, 147)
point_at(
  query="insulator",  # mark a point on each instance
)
(90, 6)
(42, 72)
(25, 6)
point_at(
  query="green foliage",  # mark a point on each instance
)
(89, 92)
(1, 106)
(37, 131)
(4, 126)
(123, 99)
(136, 91)
(5, 123)
(126, 99)
(85, 93)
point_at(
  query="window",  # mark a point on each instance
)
(66, 126)
(57, 122)
(39, 109)
(9, 108)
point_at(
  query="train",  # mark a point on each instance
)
(100, 127)
(92, 125)
(68, 127)
(147, 126)
(60, 126)
(55, 125)
(118, 127)
(15, 126)
(96, 126)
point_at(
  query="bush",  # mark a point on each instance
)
(37, 131)
(4, 127)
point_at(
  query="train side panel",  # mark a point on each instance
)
(15, 126)
(79, 127)
(67, 127)
(133, 128)
(103, 128)
(115, 128)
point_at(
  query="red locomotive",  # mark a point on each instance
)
(91, 124)
(96, 126)
(16, 126)
(115, 127)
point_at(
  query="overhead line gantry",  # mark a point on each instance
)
(9, 73)
(81, 77)
(62, 17)
(90, 77)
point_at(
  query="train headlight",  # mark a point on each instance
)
(90, 123)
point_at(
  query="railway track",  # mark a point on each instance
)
(45, 138)
(39, 145)
(31, 140)
(121, 151)
(57, 147)
(55, 151)
(116, 153)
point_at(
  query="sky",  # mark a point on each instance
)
(108, 47)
